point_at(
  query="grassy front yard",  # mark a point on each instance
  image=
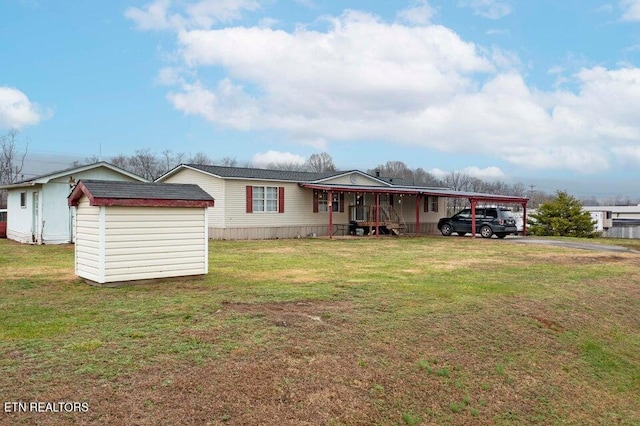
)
(397, 331)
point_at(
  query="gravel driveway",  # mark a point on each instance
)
(573, 244)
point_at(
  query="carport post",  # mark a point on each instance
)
(524, 219)
(473, 216)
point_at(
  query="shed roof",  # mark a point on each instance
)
(140, 194)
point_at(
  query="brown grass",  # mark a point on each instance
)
(422, 338)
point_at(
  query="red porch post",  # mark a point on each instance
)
(330, 203)
(418, 198)
(377, 215)
(473, 216)
(524, 220)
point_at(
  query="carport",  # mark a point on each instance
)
(420, 193)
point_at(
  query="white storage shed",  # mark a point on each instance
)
(130, 231)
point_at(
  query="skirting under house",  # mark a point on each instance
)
(130, 231)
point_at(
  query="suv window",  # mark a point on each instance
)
(492, 213)
(507, 214)
(463, 214)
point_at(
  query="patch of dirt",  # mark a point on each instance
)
(290, 314)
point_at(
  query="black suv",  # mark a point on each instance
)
(489, 221)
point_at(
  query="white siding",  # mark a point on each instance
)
(146, 243)
(20, 219)
(212, 185)
(88, 241)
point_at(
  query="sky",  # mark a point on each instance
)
(542, 92)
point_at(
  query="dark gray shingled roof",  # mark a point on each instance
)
(143, 190)
(250, 173)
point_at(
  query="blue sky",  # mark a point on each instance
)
(540, 92)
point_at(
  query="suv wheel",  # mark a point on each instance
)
(486, 231)
(446, 229)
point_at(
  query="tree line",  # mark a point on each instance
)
(151, 165)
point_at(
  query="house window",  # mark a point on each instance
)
(23, 200)
(265, 199)
(336, 202)
(431, 203)
(268, 199)
(321, 202)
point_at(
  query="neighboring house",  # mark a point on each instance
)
(261, 204)
(37, 208)
(617, 212)
(616, 221)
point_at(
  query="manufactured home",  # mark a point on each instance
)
(261, 204)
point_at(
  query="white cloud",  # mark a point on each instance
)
(352, 83)
(159, 14)
(152, 17)
(488, 173)
(265, 159)
(491, 9)
(16, 110)
(631, 10)
(419, 13)
(627, 154)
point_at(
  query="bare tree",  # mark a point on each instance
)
(393, 169)
(201, 159)
(287, 166)
(320, 163)
(11, 162)
(457, 181)
(144, 163)
(424, 178)
(228, 161)
(169, 160)
(121, 161)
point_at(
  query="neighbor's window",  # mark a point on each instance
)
(23, 199)
(265, 199)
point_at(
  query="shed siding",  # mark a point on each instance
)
(143, 243)
(212, 185)
(88, 242)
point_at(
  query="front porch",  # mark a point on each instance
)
(386, 215)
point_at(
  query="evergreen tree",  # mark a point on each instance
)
(561, 217)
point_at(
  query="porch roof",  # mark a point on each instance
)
(417, 190)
